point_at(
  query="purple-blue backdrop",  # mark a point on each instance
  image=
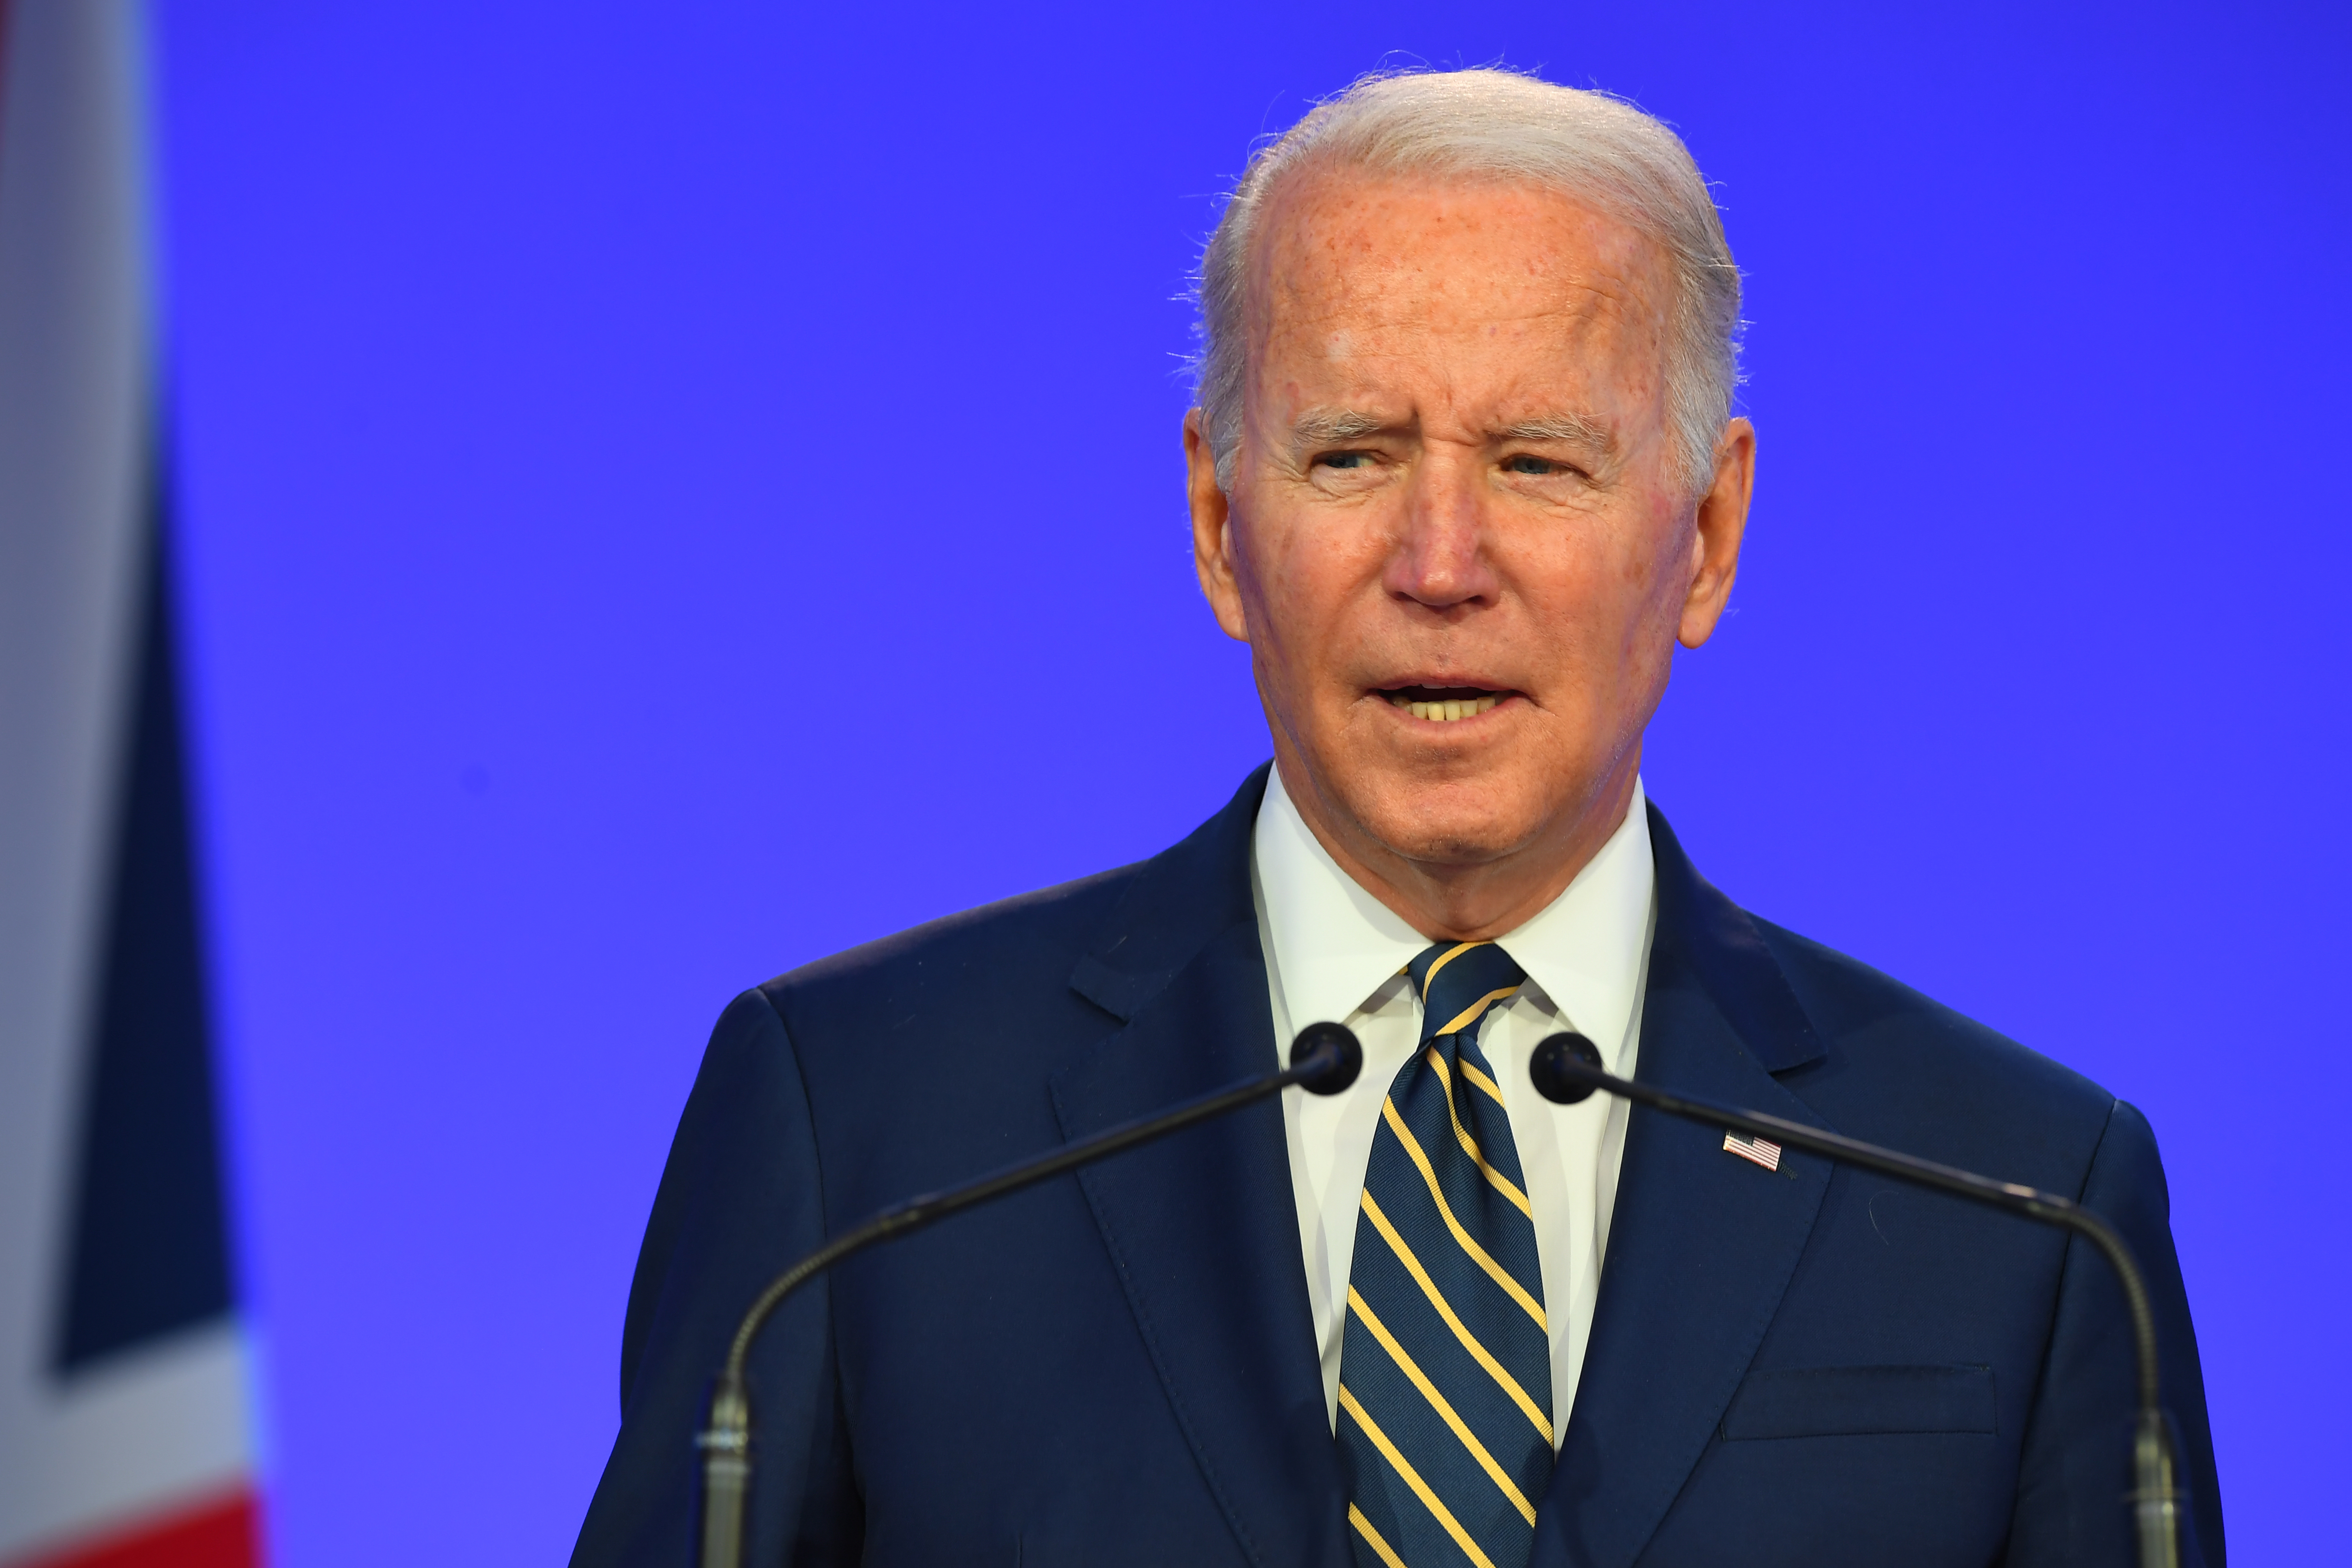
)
(667, 492)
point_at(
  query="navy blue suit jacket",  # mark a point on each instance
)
(1811, 1367)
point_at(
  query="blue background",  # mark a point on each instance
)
(667, 492)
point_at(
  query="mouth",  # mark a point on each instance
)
(1445, 704)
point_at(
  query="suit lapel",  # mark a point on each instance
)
(1702, 1243)
(1202, 1227)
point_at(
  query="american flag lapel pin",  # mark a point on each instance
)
(1762, 1151)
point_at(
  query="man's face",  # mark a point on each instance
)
(1457, 495)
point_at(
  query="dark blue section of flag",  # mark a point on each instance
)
(148, 1247)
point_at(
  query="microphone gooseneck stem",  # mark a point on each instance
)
(1324, 1059)
(1567, 1068)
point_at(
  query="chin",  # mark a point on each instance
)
(1453, 822)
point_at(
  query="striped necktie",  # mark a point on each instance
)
(1445, 1427)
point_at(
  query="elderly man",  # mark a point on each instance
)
(1462, 473)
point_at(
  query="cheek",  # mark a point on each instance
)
(1653, 567)
(1308, 575)
(1602, 596)
(1589, 577)
(1273, 579)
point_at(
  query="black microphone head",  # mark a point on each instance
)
(1346, 1057)
(1562, 1069)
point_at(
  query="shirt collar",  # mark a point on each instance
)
(1332, 945)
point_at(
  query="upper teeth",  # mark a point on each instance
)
(1448, 709)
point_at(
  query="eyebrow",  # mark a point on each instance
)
(1323, 426)
(1576, 429)
(1327, 427)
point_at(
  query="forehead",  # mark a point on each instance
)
(1352, 267)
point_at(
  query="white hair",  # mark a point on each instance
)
(1502, 126)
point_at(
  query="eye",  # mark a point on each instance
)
(1529, 463)
(1344, 461)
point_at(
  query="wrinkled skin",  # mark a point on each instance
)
(1456, 477)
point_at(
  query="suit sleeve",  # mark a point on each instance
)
(740, 1198)
(2076, 1463)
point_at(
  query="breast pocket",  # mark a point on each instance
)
(1860, 1401)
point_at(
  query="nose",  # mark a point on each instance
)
(1440, 559)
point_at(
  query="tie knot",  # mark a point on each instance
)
(1458, 982)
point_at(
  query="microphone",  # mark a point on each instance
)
(1567, 1068)
(1324, 1059)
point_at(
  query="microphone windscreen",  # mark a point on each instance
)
(1339, 1043)
(1562, 1066)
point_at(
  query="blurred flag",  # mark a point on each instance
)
(124, 1433)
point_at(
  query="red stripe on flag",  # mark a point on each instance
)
(222, 1535)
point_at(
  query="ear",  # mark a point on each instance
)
(1722, 523)
(1212, 531)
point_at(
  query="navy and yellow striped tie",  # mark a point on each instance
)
(1444, 1426)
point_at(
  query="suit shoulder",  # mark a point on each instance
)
(1009, 939)
(1895, 1053)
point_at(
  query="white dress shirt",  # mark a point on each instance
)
(1333, 951)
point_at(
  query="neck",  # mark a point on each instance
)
(1475, 901)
